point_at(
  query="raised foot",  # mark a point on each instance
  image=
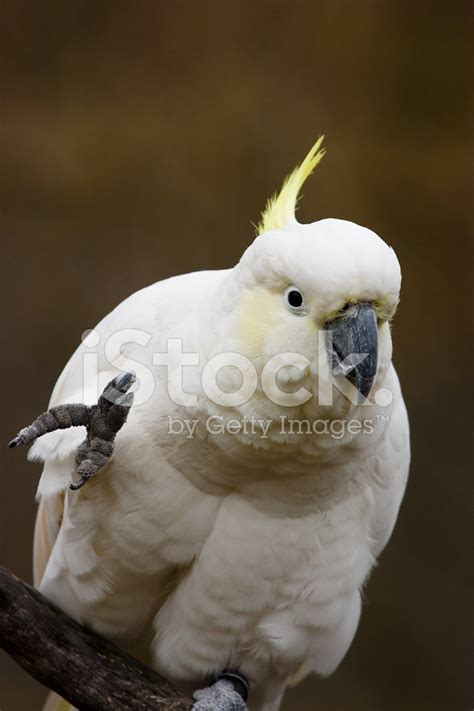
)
(102, 422)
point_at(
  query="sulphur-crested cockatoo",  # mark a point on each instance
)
(260, 471)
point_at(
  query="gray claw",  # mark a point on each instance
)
(15, 442)
(125, 400)
(117, 387)
(79, 484)
(124, 381)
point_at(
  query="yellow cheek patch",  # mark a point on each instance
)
(264, 324)
(258, 315)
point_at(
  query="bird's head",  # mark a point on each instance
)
(332, 283)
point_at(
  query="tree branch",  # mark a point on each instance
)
(85, 669)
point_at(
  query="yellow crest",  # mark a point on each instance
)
(280, 208)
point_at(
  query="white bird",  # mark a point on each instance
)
(249, 495)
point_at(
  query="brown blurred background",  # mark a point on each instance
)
(139, 140)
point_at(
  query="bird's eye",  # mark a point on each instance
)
(294, 299)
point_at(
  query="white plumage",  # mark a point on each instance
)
(231, 550)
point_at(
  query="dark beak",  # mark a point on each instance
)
(352, 345)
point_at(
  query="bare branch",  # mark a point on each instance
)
(85, 669)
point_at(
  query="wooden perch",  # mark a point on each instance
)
(83, 668)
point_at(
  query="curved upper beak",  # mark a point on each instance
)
(352, 345)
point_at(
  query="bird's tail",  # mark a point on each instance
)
(56, 703)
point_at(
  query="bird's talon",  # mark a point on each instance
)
(124, 381)
(125, 400)
(15, 442)
(117, 387)
(79, 484)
